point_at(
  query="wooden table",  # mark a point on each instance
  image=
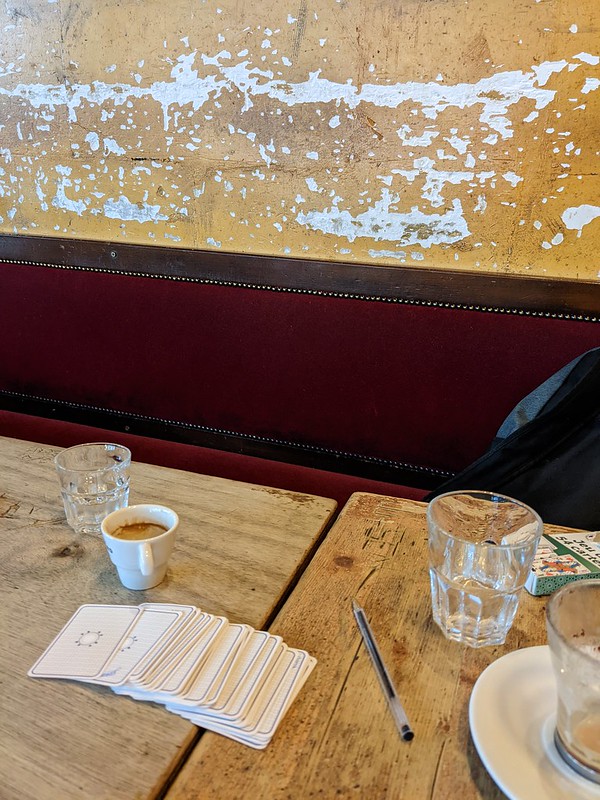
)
(239, 550)
(338, 739)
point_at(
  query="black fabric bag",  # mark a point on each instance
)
(547, 451)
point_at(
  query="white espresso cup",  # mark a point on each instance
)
(141, 561)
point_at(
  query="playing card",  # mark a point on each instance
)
(217, 661)
(225, 686)
(177, 666)
(287, 679)
(213, 724)
(85, 644)
(258, 645)
(253, 681)
(246, 679)
(285, 691)
(176, 680)
(269, 686)
(153, 627)
(223, 676)
(168, 643)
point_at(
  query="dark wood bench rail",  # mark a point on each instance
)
(393, 374)
(500, 292)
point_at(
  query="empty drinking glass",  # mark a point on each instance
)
(573, 624)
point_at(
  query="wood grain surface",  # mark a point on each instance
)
(239, 548)
(339, 739)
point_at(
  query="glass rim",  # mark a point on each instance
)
(484, 544)
(64, 451)
(553, 599)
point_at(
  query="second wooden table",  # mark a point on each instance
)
(339, 739)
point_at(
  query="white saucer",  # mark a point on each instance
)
(511, 715)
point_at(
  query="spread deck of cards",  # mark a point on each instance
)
(225, 677)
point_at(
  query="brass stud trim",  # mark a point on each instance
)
(317, 292)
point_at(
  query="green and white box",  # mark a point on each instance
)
(562, 558)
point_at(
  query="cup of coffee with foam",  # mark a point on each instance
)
(139, 540)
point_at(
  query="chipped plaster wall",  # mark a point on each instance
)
(459, 133)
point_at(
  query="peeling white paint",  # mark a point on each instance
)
(590, 85)
(40, 192)
(460, 145)
(124, 209)
(93, 140)
(546, 69)
(381, 223)
(435, 181)
(60, 200)
(262, 149)
(512, 178)
(588, 59)
(556, 240)
(9, 69)
(204, 81)
(424, 140)
(398, 254)
(111, 146)
(481, 205)
(576, 217)
(495, 94)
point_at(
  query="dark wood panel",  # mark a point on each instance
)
(502, 293)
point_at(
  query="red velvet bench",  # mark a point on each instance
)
(320, 378)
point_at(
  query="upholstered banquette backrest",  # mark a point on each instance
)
(403, 374)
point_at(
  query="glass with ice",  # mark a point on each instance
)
(573, 624)
(481, 548)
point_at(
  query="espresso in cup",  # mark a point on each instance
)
(139, 530)
(139, 540)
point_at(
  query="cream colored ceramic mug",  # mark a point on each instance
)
(139, 540)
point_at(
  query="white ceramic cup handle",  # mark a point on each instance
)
(146, 560)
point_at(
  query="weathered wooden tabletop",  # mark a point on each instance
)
(339, 739)
(238, 550)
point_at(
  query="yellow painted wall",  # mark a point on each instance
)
(457, 133)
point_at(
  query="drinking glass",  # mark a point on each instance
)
(94, 481)
(573, 625)
(481, 548)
